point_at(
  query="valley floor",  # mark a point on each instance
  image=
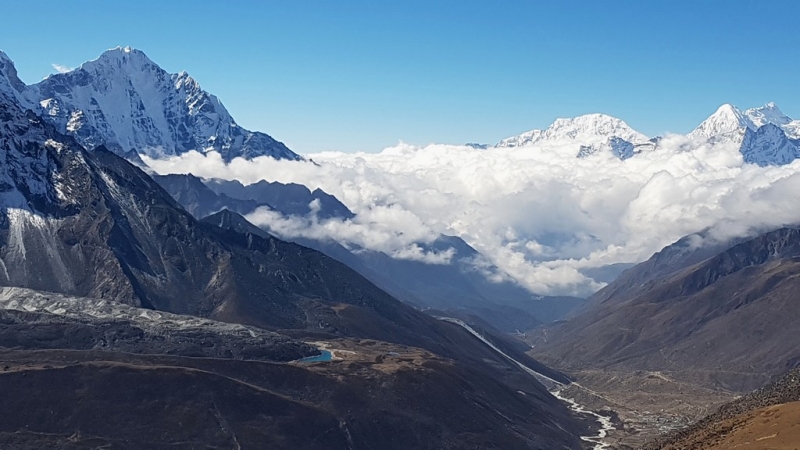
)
(642, 405)
(648, 405)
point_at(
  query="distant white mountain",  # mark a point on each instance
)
(125, 101)
(588, 134)
(766, 135)
(588, 126)
(769, 113)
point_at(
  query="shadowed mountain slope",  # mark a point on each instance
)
(93, 225)
(727, 320)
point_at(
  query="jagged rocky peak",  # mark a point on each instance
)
(124, 101)
(769, 145)
(9, 81)
(35, 164)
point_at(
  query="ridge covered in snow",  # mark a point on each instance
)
(581, 127)
(125, 101)
(766, 135)
(585, 135)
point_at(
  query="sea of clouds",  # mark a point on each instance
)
(541, 215)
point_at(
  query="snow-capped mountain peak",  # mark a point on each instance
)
(763, 134)
(124, 59)
(126, 102)
(586, 135)
(769, 113)
(588, 127)
(726, 119)
(592, 125)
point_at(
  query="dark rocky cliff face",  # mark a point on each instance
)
(90, 224)
(96, 226)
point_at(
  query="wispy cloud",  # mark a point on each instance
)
(62, 69)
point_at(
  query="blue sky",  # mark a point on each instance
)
(362, 75)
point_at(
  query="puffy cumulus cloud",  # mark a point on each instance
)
(540, 214)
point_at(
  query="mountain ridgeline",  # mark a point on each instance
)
(96, 226)
(124, 263)
(764, 136)
(152, 301)
(126, 102)
(168, 114)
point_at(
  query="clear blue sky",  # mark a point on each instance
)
(362, 75)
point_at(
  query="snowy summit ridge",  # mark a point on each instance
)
(765, 135)
(590, 133)
(586, 126)
(125, 101)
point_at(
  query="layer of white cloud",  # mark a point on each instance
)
(387, 229)
(540, 214)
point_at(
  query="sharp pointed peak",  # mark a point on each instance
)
(128, 53)
(123, 50)
(726, 119)
(9, 78)
(120, 57)
(727, 108)
(6, 63)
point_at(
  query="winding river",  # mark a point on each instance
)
(605, 422)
